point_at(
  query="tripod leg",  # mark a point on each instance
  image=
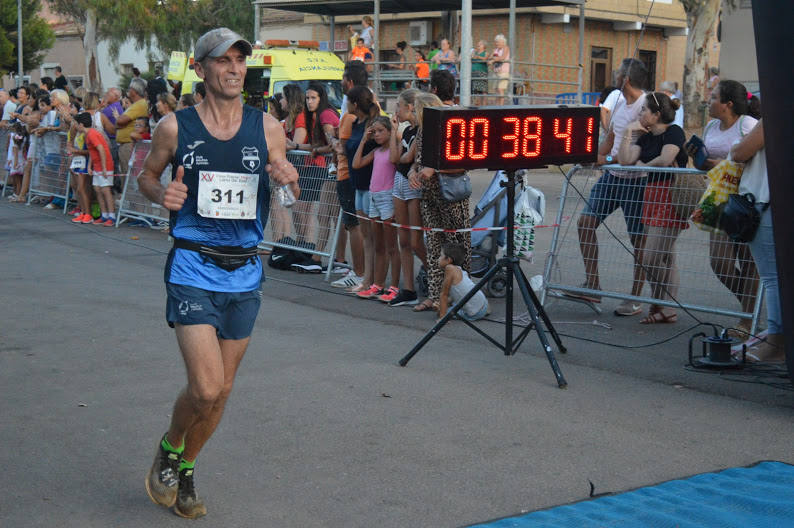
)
(544, 315)
(451, 313)
(523, 285)
(509, 350)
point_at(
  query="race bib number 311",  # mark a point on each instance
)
(230, 195)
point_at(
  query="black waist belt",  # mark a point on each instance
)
(227, 257)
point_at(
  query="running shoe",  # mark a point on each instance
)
(88, 219)
(350, 280)
(188, 505)
(109, 222)
(370, 293)
(405, 298)
(389, 295)
(75, 212)
(80, 219)
(99, 220)
(161, 482)
(50, 206)
(307, 265)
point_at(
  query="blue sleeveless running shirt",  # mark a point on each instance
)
(200, 153)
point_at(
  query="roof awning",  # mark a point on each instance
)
(358, 7)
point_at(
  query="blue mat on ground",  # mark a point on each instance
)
(758, 496)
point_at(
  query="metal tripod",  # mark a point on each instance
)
(512, 269)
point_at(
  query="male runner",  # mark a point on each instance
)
(222, 152)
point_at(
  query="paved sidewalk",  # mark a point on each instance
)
(324, 429)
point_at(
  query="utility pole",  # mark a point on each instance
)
(19, 42)
(256, 21)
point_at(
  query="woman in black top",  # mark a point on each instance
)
(655, 142)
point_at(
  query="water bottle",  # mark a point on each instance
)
(285, 196)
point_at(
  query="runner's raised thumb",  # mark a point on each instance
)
(180, 173)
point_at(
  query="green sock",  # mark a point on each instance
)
(168, 447)
(184, 464)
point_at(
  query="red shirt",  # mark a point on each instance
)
(94, 140)
(327, 117)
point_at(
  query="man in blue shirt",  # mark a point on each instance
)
(223, 154)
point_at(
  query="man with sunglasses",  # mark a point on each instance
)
(611, 192)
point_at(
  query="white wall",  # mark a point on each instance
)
(737, 53)
(128, 54)
(287, 31)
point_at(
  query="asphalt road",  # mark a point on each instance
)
(323, 428)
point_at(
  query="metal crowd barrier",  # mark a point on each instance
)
(50, 173)
(312, 224)
(133, 204)
(698, 256)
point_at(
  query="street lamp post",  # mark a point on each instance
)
(19, 42)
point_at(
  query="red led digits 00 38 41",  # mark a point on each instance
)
(509, 137)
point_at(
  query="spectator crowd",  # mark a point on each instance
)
(371, 166)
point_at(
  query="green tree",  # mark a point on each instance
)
(165, 24)
(179, 23)
(109, 20)
(37, 36)
(700, 16)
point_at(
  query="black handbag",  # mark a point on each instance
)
(740, 219)
(454, 187)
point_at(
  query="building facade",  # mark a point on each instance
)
(547, 39)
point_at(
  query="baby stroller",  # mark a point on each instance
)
(491, 211)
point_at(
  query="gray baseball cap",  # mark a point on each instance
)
(215, 42)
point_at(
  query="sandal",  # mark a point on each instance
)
(426, 306)
(658, 316)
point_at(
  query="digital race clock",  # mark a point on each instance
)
(509, 137)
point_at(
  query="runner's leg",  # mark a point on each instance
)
(211, 366)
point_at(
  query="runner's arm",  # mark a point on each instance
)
(281, 170)
(163, 148)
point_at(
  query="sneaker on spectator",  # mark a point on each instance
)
(98, 221)
(339, 268)
(388, 295)
(348, 281)
(88, 219)
(75, 212)
(81, 219)
(370, 293)
(628, 308)
(109, 222)
(307, 265)
(404, 298)
(50, 206)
